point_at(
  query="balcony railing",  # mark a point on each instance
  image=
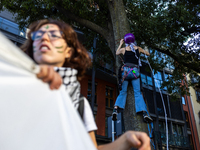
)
(107, 70)
(173, 140)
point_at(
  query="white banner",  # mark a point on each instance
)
(33, 117)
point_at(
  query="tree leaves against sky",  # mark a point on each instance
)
(158, 23)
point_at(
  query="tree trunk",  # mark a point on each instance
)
(132, 121)
(120, 25)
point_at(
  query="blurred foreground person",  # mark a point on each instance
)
(55, 43)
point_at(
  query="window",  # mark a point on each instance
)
(199, 117)
(109, 97)
(158, 56)
(183, 100)
(89, 94)
(162, 129)
(143, 78)
(167, 78)
(194, 79)
(187, 119)
(106, 126)
(177, 131)
(180, 130)
(158, 79)
(161, 126)
(198, 95)
(163, 58)
(169, 61)
(147, 80)
(170, 64)
(174, 130)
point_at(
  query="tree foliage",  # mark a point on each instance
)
(158, 24)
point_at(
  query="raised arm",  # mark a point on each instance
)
(119, 49)
(143, 51)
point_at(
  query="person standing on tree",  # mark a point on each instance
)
(130, 72)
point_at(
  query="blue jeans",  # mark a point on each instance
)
(139, 101)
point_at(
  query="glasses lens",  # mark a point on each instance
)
(55, 34)
(37, 35)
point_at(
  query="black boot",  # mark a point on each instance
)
(147, 118)
(114, 114)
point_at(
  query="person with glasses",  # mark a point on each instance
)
(54, 43)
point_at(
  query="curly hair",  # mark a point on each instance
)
(80, 58)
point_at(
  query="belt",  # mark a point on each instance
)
(130, 65)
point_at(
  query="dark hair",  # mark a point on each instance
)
(80, 58)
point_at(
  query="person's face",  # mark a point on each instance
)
(49, 47)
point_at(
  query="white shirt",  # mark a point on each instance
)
(88, 117)
(72, 85)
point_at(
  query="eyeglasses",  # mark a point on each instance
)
(53, 34)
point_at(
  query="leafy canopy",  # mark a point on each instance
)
(159, 24)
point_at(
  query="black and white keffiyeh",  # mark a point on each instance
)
(71, 83)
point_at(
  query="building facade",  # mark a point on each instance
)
(194, 105)
(181, 133)
(180, 122)
(11, 29)
(105, 96)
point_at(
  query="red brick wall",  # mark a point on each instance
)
(188, 107)
(101, 103)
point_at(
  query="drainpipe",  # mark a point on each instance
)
(155, 105)
(93, 75)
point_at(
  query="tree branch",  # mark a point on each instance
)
(178, 59)
(86, 23)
